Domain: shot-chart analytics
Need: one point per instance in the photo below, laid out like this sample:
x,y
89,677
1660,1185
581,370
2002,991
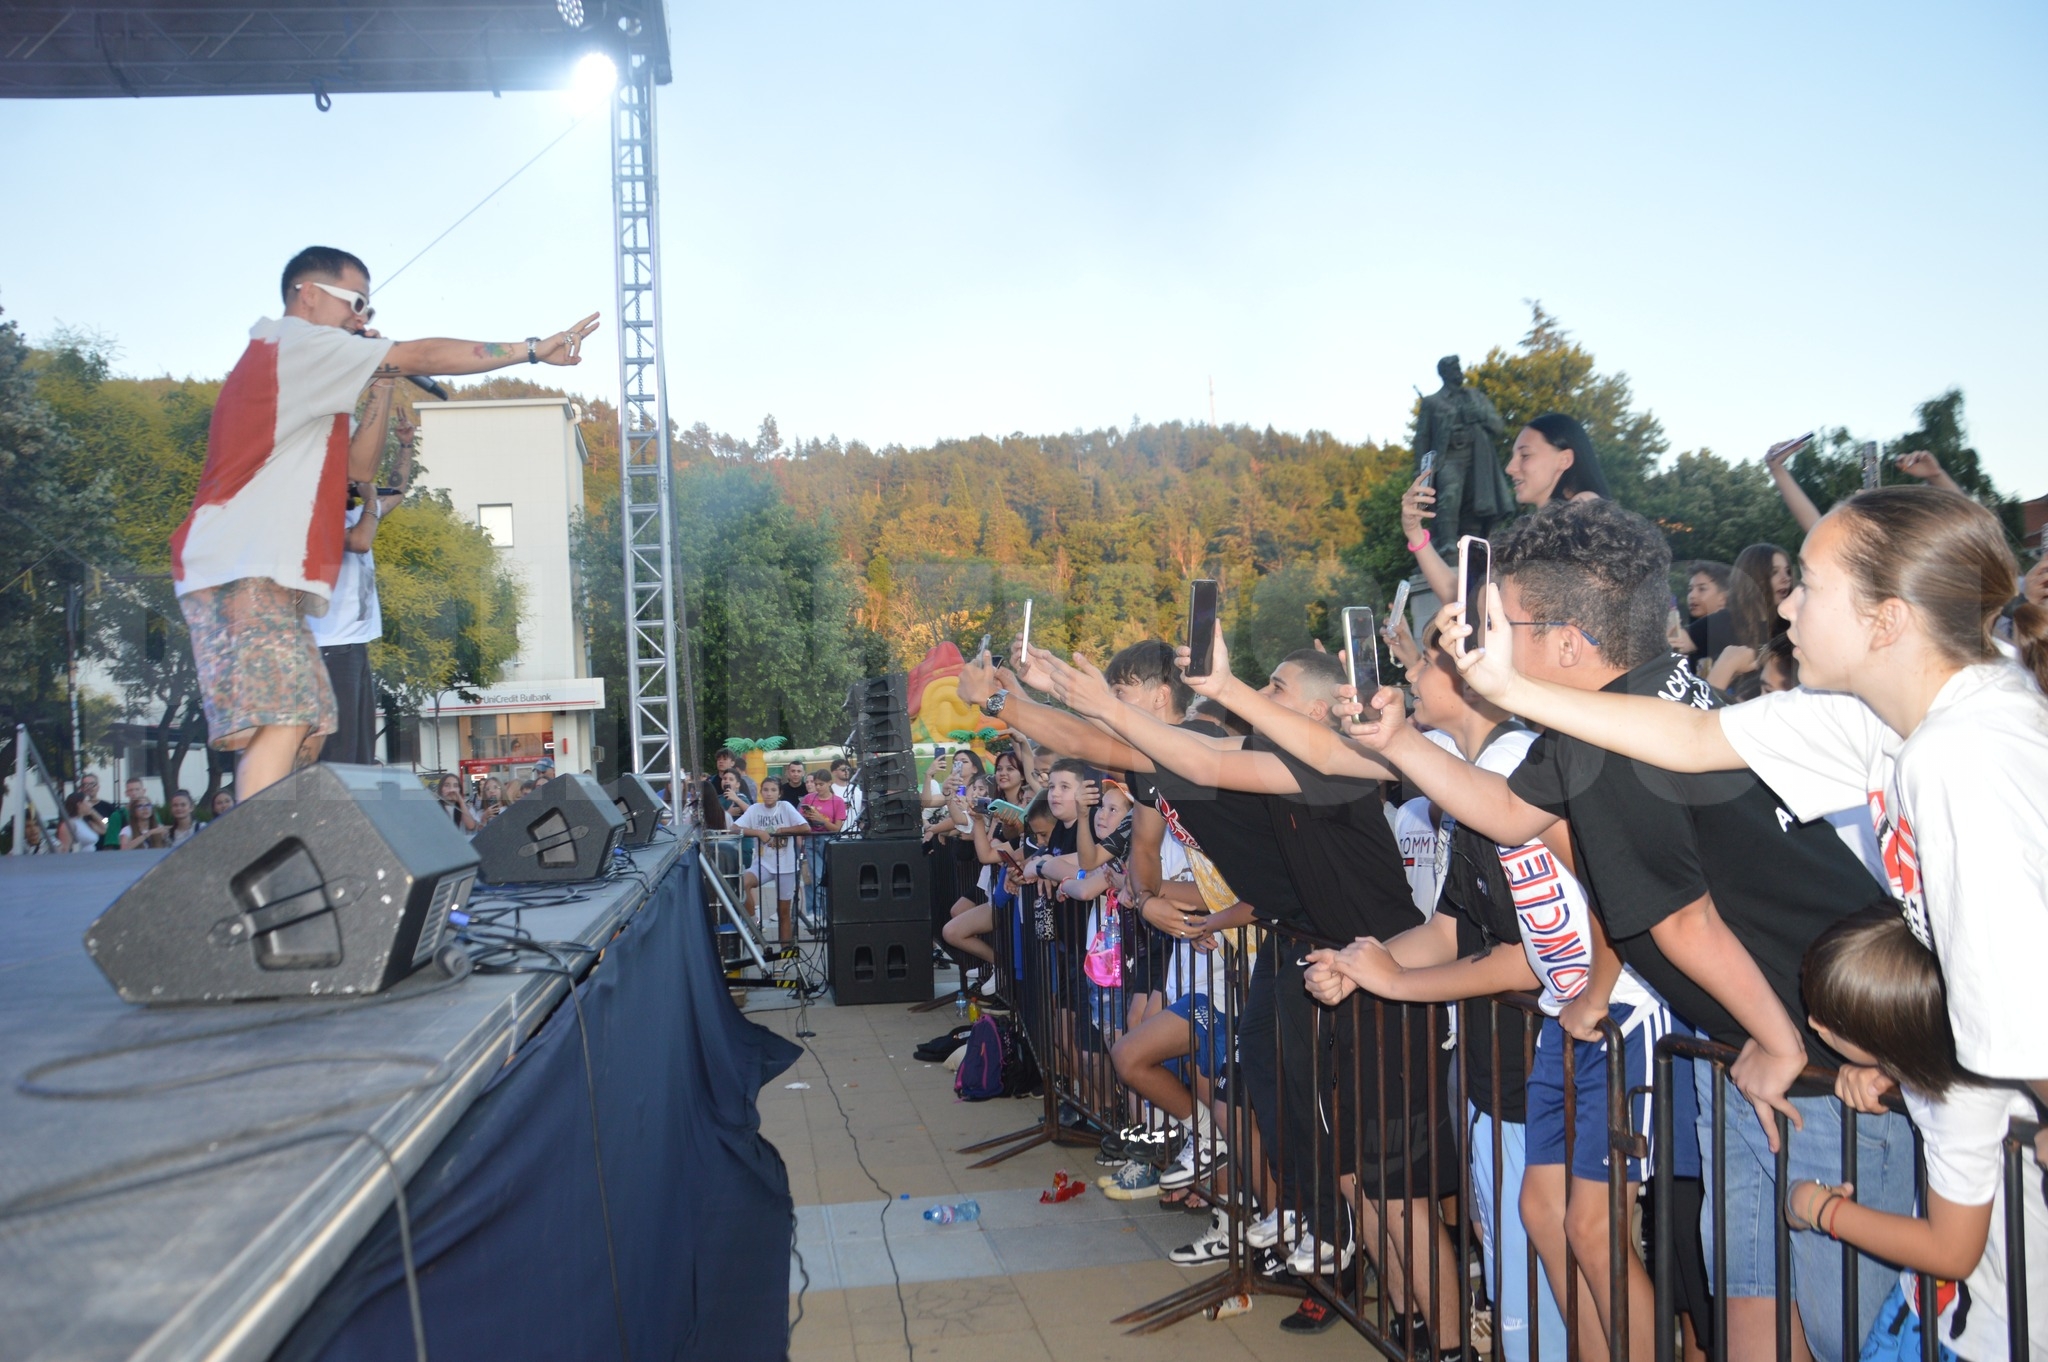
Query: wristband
x,y
1419,545
532,349
1839,1199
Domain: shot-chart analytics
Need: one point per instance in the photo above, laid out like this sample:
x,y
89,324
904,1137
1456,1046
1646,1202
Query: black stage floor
x,y
200,1221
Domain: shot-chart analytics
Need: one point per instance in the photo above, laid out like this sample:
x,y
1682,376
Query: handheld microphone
x,y
428,384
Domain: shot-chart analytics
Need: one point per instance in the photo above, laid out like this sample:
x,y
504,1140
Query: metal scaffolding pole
x,y
664,715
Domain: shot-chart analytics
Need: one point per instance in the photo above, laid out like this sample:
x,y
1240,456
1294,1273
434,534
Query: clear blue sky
x,y
900,223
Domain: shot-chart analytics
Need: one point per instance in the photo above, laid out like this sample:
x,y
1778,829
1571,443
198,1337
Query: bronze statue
x,y
1472,490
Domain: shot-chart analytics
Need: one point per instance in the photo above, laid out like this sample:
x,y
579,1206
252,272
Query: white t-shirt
x,y
1551,908
855,802
1962,1137
774,859
353,615
1961,812
275,486
1416,836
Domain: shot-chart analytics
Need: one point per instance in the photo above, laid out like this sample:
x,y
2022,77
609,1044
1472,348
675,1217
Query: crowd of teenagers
x,y
783,821
1808,827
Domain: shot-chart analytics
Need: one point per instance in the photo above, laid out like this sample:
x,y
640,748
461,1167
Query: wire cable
x,y
480,203
888,1199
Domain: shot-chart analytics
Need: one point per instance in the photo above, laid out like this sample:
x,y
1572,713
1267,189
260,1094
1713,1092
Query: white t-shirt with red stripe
x,y
274,493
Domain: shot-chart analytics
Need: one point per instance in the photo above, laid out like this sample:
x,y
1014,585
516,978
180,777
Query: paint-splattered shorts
x,y
258,664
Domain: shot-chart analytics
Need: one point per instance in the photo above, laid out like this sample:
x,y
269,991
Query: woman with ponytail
x,y
1909,708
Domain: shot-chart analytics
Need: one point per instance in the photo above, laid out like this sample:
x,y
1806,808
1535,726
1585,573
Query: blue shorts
x,y
1212,1036
1590,1148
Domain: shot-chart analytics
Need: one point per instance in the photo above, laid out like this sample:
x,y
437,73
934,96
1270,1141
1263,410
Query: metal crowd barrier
x,y
1071,1025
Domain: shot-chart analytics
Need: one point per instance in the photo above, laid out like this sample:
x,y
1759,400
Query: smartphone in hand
x,y
1024,639
1201,627
1867,455
1361,654
1475,572
1394,611
1428,464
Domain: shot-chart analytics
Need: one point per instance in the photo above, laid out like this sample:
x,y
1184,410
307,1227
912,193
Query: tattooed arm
x,y
478,357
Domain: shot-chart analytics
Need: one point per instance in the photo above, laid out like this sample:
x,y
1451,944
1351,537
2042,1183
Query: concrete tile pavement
x,y
1028,1282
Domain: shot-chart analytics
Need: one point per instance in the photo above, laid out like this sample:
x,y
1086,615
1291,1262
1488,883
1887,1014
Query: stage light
x,y
592,82
571,12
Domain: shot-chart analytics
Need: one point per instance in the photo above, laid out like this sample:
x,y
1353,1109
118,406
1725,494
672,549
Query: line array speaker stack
x,y
881,922
878,714
335,881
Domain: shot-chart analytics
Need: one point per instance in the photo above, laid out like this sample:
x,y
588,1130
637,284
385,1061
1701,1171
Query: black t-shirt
x,y
1234,830
1340,852
1712,633
1068,917
1649,842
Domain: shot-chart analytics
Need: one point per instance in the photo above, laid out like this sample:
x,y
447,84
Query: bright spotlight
x,y
571,12
592,82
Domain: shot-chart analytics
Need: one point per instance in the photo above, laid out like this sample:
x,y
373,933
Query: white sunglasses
x,y
357,303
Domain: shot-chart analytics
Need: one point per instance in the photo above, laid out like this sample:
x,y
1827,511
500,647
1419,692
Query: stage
x,y
247,1215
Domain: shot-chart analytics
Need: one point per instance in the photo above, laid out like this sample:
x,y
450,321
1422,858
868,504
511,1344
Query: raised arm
x,y
1205,761
1928,469
366,447
1479,799
1316,744
1655,731
1417,507
1778,460
1067,734
442,356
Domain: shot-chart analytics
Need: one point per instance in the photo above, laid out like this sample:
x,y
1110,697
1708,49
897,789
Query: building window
x,y
496,521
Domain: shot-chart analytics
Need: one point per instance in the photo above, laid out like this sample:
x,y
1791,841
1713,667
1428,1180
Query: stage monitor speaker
x,y
878,881
639,804
881,962
564,830
335,881
887,773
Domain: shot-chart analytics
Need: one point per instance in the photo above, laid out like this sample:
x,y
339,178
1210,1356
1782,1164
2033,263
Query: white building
x,y
515,467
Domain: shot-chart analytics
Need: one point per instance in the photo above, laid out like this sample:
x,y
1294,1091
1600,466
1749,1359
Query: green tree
x,y
451,609
56,513
1549,371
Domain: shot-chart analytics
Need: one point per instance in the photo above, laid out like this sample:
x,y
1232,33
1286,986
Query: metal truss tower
x,y
661,694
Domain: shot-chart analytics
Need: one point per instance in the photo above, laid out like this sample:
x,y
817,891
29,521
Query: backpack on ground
x,y
995,1063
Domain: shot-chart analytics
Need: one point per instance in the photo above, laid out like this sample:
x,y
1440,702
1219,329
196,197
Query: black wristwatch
x,y
533,350
994,704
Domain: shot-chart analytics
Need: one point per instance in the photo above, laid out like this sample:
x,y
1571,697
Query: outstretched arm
x,y
1067,734
1479,799
1311,742
1657,732
1205,761
441,356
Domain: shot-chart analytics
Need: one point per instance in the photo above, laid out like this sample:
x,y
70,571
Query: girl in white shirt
x,y
1908,708
771,821
1876,996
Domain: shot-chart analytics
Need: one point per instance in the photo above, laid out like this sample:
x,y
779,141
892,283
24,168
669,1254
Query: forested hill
x,y
810,560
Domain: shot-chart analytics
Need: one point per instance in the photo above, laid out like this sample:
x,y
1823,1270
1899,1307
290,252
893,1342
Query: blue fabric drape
x,y
507,1229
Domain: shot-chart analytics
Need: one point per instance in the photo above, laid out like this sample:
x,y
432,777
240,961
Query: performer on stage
x,y
264,541
354,618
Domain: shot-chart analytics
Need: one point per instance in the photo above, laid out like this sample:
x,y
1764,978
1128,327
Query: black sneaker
x,y
1271,1264
1310,1317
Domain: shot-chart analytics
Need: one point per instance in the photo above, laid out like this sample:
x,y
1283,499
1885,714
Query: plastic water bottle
x,y
960,1006
943,1214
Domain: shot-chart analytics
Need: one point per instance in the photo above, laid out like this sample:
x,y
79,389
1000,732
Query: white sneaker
x,y
1212,1247
1198,1160
1312,1257
1266,1231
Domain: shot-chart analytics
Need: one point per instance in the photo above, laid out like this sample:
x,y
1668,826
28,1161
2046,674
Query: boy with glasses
x,y
264,541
